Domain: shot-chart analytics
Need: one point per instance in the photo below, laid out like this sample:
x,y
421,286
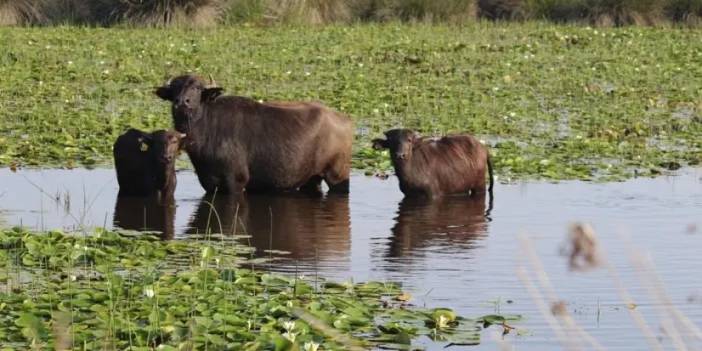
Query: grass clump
x,y
451,11
193,13
310,11
19,12
110,291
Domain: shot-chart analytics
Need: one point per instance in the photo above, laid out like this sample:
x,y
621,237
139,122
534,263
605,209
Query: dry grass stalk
x,y
583,251
567,342
651,280
574,331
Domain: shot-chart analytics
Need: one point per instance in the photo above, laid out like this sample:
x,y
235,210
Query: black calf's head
x,y
399,142
163,146
187,93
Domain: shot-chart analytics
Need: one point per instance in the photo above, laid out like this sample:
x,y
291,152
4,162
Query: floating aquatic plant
x,y
109,290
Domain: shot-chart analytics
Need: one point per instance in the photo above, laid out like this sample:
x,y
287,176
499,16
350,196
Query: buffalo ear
x,y
379,144
164,93
210,94
414,136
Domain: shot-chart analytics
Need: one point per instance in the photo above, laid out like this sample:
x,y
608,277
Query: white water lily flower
x,y
443,322
289,325
149,291
290,336
310,346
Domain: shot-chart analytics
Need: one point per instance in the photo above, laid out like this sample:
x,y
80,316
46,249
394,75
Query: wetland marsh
x,y
577,119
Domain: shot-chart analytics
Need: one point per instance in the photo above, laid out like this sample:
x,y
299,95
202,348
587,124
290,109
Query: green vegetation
x,y
110,291
556,102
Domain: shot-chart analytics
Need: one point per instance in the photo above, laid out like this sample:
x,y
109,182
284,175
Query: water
x,y
446,253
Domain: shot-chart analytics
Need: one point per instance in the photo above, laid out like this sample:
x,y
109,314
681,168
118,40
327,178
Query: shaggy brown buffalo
x,y
237,143
437,166
145,162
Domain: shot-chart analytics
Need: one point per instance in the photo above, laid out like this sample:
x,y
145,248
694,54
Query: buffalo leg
x,y
337,176
209,183
341,187
313,185
237,183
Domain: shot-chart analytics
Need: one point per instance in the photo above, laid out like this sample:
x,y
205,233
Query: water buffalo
x,y
145,162
237,143
437,166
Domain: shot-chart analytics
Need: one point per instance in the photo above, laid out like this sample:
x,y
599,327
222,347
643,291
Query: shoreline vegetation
x,y
203,13
551,101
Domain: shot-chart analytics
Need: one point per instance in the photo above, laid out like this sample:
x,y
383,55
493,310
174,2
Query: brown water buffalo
x,y
236,143
435,167
145,162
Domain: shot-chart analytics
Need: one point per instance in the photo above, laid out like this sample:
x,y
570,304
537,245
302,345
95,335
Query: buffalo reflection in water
x,y
146,214
308,227
449,224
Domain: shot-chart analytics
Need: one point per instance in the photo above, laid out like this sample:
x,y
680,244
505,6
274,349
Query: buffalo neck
x,y
196,132
403,170
165,178
217,121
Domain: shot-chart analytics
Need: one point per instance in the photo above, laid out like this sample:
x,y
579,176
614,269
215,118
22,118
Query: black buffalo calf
x,y
145,162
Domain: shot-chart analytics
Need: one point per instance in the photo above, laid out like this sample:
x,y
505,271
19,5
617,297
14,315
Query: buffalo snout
x,y
166,159
183,103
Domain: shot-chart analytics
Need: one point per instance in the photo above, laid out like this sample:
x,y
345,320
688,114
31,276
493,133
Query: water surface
x,y
446,253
